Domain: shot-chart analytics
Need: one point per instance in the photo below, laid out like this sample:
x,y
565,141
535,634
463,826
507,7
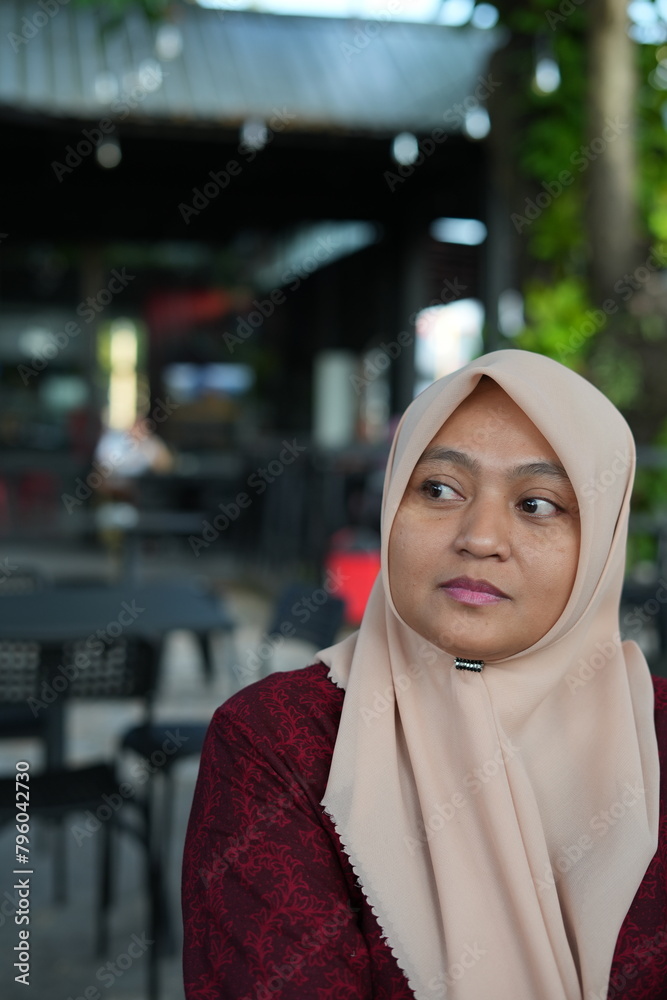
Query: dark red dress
x,y
271,906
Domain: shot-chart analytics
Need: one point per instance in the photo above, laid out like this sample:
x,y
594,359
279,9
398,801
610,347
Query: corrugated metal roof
x,y
375,76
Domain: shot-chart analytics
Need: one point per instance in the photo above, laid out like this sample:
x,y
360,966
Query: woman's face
x,y
484,547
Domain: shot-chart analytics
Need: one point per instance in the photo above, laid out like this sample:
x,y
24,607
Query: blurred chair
x,y
317,624
18,666
42,677
314,619
353,560
160,746
643,618
308,614
5,505
21,581
22,673
38,494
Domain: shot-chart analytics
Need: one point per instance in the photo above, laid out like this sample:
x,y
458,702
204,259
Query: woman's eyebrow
x,y
460,458
553,469
438,454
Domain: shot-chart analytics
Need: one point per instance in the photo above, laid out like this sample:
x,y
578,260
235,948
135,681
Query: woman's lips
x,y
467,591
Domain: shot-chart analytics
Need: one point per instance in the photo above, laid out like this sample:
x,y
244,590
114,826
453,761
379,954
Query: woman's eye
x,y
438,491
539,507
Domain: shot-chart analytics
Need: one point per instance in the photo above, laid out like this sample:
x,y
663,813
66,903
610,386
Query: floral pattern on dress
x,y
272,907
639,968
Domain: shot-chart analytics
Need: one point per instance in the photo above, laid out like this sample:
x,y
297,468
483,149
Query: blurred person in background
x,y
133,452
122,457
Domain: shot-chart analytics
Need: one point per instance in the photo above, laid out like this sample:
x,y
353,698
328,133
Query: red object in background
x,y
38,493
182,309
5,507
354,559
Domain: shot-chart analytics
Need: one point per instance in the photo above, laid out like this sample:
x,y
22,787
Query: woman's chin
x,y
475,651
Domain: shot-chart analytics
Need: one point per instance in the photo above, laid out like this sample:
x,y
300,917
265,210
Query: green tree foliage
x,y
554,157
620,344
116,9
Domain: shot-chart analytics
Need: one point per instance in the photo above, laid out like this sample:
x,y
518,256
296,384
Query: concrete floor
x,y
63,963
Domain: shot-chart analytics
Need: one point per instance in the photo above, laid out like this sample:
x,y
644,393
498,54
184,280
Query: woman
x,y
462,799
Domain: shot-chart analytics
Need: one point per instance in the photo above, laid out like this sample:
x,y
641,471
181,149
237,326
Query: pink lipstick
x,y
474,592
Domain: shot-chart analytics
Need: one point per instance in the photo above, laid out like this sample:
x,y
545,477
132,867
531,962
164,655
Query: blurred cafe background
x,y
236,239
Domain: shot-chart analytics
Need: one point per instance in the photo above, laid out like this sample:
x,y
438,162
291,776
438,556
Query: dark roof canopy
x,y
208,68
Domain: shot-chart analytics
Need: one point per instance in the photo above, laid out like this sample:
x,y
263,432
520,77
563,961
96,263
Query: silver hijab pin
x,y
462,664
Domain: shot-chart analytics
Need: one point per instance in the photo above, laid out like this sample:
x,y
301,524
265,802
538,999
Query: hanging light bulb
x,y
109,154
547,72
254,134
405,149
477,123
168,42
547,76
485,16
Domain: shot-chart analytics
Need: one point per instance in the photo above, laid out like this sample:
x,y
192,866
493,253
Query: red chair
x,y
354,560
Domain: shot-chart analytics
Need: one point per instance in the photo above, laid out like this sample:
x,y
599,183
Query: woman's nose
x,y
484,530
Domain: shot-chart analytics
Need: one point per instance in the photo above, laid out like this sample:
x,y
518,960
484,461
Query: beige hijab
x,y
501,822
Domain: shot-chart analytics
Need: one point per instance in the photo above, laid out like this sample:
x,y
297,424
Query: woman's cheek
x,y
399,540
543,540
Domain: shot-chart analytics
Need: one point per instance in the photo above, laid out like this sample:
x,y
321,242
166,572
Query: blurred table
x,y
149,610
98,611
134,526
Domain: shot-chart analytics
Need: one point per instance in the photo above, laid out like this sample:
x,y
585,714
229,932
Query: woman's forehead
x,y
488,419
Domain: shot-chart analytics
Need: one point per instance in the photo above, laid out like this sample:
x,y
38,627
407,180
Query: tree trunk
x,y
611,147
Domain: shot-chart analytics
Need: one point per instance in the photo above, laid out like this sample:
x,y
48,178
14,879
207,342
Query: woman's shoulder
x,y
660,710
660,716
307,688
660,688
283,711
